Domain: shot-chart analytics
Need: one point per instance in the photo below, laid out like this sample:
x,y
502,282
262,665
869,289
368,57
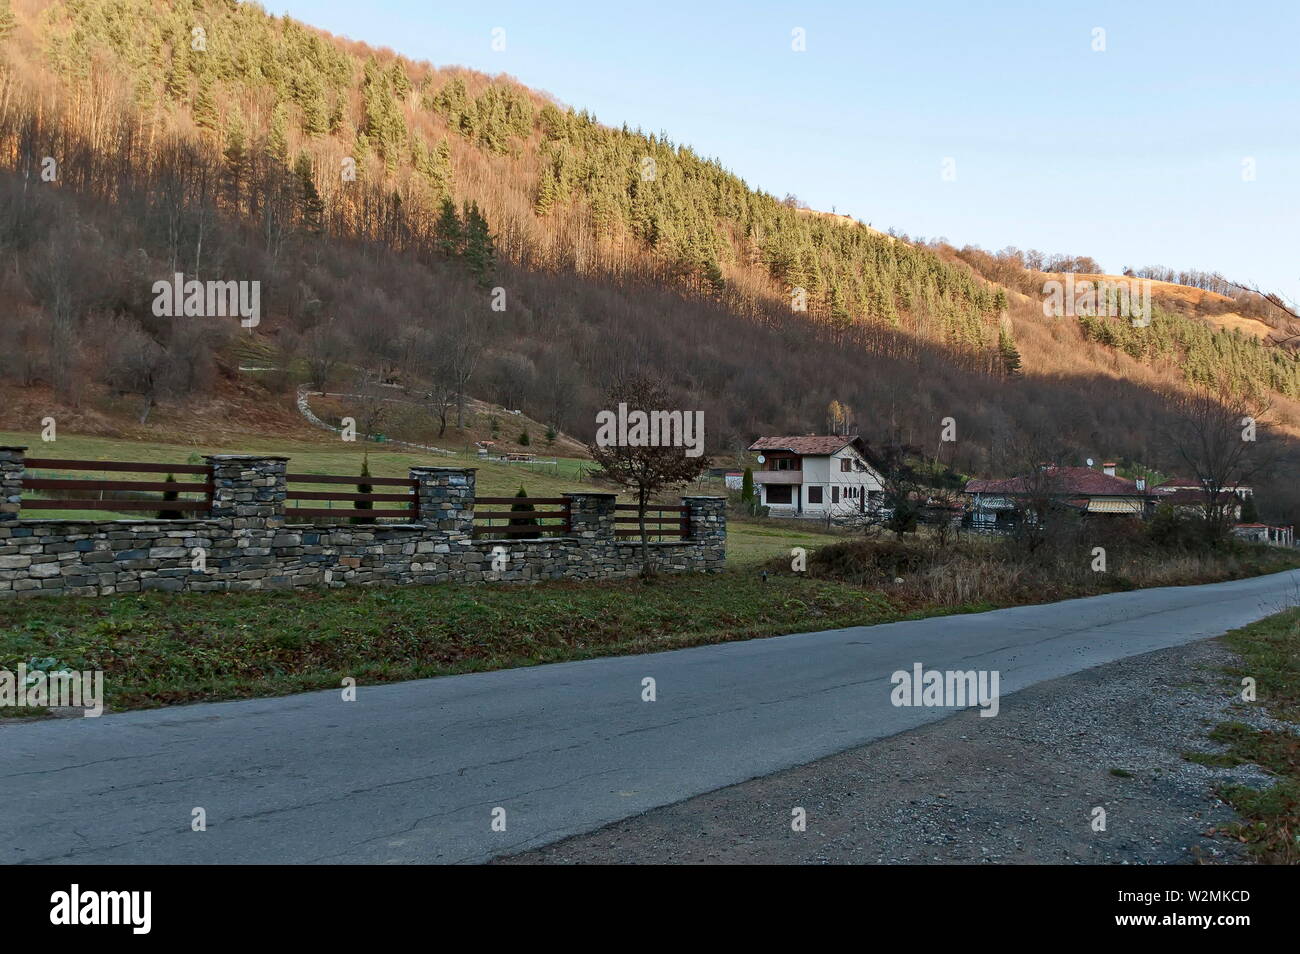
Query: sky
x,y
1139,133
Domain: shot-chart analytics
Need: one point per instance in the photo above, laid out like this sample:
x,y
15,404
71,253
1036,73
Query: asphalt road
x,y
412,772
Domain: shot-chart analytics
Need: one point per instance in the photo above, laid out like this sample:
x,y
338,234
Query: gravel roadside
x,y
1020,788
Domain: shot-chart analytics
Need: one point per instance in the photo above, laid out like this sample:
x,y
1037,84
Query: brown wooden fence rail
x,y
68,493
348,498
544,523
659,522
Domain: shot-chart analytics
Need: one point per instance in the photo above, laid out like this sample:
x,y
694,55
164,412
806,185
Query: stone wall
x,y
246,545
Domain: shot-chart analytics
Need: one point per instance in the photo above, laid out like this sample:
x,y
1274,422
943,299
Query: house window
x,y
846,465
835,495
779,495
814,495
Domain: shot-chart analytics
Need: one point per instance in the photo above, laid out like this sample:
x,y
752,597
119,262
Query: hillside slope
x,y
387,206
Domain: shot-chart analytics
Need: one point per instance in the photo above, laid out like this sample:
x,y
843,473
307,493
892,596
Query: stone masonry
x,y
245,543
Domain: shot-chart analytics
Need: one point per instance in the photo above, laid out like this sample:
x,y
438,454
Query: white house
x,y
815,476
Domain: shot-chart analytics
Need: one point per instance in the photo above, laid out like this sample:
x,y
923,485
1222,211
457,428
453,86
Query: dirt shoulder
x,y
1017,788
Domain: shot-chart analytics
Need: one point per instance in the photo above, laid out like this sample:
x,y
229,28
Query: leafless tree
x,y
372,402
324,348
1221,440
644,469
462,354
133,363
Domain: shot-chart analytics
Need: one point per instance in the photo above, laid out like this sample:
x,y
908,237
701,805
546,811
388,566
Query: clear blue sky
x,y
1133,155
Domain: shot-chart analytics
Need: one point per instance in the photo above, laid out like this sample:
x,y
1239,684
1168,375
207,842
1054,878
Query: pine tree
x,y
337,116
178,70
524,528
315,121
364,488
205,104
1008,352
747,486
168,496
236,156
8,22
448,231
480,252
398,80
442,168
361,151
313,209
545,195
277,139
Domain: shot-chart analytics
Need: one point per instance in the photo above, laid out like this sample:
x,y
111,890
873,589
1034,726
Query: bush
x,y
1173,529
170,495
364,488
868,561
517,522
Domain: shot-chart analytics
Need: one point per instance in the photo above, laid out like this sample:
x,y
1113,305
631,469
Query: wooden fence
x,y
524,524
79,493
660,522
348,499
494,517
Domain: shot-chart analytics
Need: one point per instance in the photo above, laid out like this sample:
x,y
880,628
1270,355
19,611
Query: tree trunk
x,y
646,568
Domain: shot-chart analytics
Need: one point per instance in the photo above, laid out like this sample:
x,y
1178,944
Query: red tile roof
x,y
1076,481
811,444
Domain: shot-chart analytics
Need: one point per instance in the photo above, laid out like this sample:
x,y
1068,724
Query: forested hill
x,y
380,202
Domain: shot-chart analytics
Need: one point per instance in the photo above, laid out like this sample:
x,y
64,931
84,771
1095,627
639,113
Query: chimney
x,y
1142,484
1108,468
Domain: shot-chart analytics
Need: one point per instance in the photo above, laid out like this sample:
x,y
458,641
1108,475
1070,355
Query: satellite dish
x,y
1089,461
762,459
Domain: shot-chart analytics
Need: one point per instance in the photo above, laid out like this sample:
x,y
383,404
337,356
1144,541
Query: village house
x,y
815,476
1188,494
997,504
1278,536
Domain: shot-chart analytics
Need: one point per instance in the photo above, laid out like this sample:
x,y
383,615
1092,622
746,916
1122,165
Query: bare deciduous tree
x,y
323,348
644,469
1220,440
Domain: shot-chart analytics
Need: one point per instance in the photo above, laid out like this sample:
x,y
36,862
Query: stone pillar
x,y
11,483
591,516
445,499
707,519
247,489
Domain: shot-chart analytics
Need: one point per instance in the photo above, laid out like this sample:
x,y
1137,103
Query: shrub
x,y
165,514
527,522
364,488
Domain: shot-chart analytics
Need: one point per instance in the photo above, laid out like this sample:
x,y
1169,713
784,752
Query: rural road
x,y
412,772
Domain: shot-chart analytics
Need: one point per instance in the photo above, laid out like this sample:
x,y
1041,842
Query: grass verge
x,y
1270,653
160,649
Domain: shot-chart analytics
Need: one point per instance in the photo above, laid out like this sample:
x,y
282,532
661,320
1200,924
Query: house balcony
x,y
778,477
